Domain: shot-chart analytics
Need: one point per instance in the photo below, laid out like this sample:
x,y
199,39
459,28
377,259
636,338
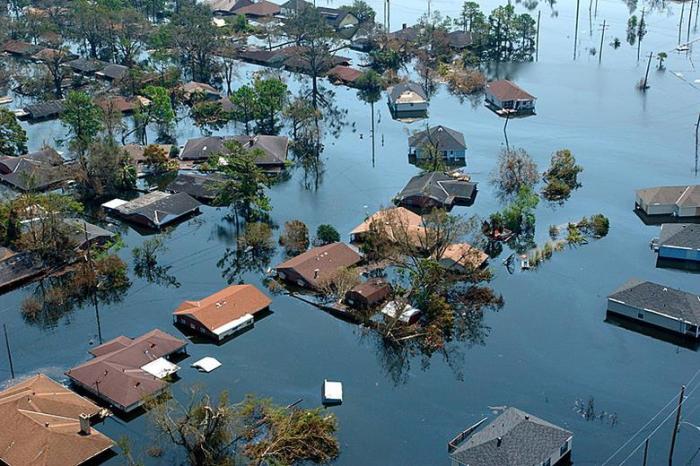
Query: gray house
x,y
436,190
679,241
407,99
515,438
507,97
448,142
659,306
679,201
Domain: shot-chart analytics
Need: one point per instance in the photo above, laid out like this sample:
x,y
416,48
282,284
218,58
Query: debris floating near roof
x,y
206,364
332,393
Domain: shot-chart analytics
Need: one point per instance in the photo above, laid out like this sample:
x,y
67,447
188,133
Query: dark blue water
x,y
548,347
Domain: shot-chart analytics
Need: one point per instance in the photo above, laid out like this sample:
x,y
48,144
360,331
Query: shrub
x,y
600,225
295,237
326,234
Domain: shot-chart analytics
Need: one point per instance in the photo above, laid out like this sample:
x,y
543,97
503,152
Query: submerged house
x,y
45,423
460,40
195,90
392,222
436,190
154,210
18,267
113,72
507,97
344,75
309,269
199,186
514,438
272,159
368,294
19,48
678,201
38,171
224,313
659,306
41,111
85,66
125,371
448,142
260,10
407,99
679,242
463,257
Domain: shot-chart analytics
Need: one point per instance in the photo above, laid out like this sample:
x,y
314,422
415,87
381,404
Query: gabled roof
x,y
136,151
662,194
261,8
159,208
406,33
407,91
466,255
227,5
690,198
202,148
86,65
188,89
505,90
660,299
115,373
41,425
399,217
321,262
680,235
439,187
203,187
18,47
225,306
345,74
515,438
441,136
48,109
334,16
113,71
39,170
274,148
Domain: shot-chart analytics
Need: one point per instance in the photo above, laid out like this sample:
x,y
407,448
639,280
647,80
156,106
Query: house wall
x,y
291,276
449,155
668,252
195,326
348,21
649,317
656,209
692,211
409,107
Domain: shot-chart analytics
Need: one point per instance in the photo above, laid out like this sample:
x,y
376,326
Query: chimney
x,y
498,441
316,271
404,26
84,424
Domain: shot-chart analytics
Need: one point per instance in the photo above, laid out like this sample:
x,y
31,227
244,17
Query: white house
x,y
448,142
506,95
408,99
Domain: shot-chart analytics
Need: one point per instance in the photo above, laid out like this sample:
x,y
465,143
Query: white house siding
x,y
667,252
411,107
655,208
650,317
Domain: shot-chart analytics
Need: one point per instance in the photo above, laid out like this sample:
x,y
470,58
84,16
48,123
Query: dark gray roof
x,y
444,137
525,440
159,208
333,16
49,109
460,39
680,235
406,33
18,267
114,72
199,186
38,171
274,148
86,65
407,86
661,299
78,229
439,187
202,148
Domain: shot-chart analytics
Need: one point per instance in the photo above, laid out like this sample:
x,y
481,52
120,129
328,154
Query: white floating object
x,y
206,364
332,392
160,368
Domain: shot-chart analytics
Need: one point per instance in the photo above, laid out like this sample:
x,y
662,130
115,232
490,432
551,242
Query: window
x,y
564,448
640,315
547,462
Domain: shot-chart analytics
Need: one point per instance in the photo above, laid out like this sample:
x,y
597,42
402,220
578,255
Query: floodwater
x,y
544,352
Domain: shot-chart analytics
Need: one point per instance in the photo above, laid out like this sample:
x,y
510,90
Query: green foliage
x,y
106,170
295,237
83,119
270,97
519,215
370,86
13,138
326,234
362,11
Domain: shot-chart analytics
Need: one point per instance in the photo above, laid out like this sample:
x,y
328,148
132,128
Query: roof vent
x,y
499,440
84,424
665,289
527,417
316,271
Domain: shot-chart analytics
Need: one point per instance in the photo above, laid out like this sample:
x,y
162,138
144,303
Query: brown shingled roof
x,y
506,90
225,306
41,425
322,262
259,9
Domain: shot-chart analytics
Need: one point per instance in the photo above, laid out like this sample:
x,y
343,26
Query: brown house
x,y
224,313
309,269
368,294
46,424
125,371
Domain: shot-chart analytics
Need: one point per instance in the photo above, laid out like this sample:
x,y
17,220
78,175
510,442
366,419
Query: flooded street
x,y
547,349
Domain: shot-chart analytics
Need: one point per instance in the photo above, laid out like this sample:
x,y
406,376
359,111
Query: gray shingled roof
x,y
661,299
203,187
525,440
114,71
438,186
160,208
680,235
445,138
407,86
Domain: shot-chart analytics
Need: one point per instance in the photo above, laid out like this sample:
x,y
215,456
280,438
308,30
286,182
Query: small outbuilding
x,y
679,241
514,438
394,222
507,97
332,393
368,294
224,313
449,143
659,306
407,314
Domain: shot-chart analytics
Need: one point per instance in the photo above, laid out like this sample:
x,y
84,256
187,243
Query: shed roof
x,y
442,137
48,109
159,208
321,262
680,235
372,289
660,299
115,373
514,438
407,92
41,425
225,306
505,90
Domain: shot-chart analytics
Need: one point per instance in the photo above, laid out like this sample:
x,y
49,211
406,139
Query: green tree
x,y
562,176
326,234
13,138
295,237
159,112
243,188
244,101
469,16
362,11
83,119
106,171
270,97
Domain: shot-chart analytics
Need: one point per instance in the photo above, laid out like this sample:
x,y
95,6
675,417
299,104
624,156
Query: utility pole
x,y
388,16
91,267
645,85
690,17
680,24
537,36
602,38
675,426
9,353
596,9
578,3
697,127
646,452
428,9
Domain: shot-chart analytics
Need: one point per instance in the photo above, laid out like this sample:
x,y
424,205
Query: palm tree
x,y
370,86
